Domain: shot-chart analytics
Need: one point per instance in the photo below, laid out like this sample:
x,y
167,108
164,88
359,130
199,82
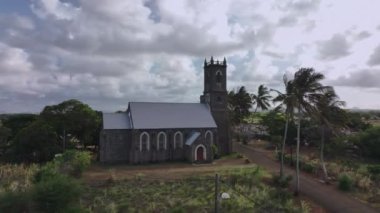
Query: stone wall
x,y
114,146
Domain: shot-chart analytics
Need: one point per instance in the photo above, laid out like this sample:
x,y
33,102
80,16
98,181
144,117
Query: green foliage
x,y
57,193
275,122
5,133
75,118
282,182
71,162
35,143
262,98
15,202
345,182
17,122
369,142
239,103
74,162
374,169
355,121
215,151
195,194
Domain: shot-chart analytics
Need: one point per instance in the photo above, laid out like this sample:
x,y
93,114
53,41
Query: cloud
x,y
363,35
334,48
375,57
367,78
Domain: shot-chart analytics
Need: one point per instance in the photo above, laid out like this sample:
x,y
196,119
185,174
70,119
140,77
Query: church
x,y
157,132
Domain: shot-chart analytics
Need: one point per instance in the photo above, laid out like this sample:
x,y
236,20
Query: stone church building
x,y
156,132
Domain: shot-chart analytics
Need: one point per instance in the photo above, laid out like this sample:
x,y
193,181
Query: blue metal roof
x,y
146,115
192,138
116,121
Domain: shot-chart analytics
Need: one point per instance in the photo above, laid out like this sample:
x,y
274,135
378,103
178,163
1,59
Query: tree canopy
x,y
75,118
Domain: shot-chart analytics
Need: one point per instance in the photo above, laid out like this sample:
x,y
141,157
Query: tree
x,y
261,100
239,103
306,86
329,114
17,122
74,118
288,101
35,143
5,133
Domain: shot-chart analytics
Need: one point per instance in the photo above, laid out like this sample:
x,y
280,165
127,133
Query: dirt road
x,y
327,196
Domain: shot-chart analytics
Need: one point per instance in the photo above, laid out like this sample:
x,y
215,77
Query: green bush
x,y
374,169
215,151
345,182
307,167
57,194
15,202
282,182
73,162
47,171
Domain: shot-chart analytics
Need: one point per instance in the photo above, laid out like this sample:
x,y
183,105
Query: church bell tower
x,y
215,95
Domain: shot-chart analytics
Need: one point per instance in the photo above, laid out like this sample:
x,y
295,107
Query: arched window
x,y
218,77
161,141
144,141
178,140
209,137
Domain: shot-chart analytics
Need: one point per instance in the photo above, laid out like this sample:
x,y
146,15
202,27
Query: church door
x,y
200,154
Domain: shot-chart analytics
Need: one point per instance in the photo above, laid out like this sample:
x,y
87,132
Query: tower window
x,y
218,99
218,77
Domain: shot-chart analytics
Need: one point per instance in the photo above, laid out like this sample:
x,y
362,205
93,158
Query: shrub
x,y
282,182
345,182
374,169
215,151
73,162
47,171
308,167
57,193
15,202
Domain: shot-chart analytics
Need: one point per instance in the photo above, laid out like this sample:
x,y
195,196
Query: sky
x,y
108,53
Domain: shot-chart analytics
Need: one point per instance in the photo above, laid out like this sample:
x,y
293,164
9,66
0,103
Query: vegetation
x,y
239,103
195,194
345,182
48,188
262,98
31,138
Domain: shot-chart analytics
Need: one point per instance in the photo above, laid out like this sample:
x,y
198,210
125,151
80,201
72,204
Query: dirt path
x,y
326,196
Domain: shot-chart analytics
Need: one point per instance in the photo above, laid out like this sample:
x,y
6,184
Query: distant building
x,y
155,132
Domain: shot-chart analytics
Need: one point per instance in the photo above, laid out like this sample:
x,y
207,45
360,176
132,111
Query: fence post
x,y
217,193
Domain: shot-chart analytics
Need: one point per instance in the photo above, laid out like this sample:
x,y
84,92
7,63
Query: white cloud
x,y
150,50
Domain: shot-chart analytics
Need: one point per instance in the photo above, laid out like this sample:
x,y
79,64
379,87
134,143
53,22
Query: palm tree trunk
x,y
323,165
283,147
298,152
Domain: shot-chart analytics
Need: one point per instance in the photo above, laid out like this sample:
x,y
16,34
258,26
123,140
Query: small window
x,y
144,141
219,99
178,140
161,141
219,77
209,137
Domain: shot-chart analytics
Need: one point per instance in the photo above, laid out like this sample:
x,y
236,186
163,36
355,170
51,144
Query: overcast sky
x,y
109,52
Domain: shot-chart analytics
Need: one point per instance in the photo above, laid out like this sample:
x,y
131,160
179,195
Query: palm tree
x,y
287,100
328,114
306,86
239,103
261,100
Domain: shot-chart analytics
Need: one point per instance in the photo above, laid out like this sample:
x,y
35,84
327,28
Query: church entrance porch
x,y
200,153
